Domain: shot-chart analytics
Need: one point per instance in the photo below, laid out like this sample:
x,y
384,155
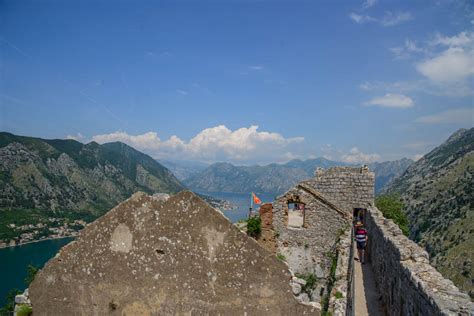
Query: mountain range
x,y
438,194
66,175
272,178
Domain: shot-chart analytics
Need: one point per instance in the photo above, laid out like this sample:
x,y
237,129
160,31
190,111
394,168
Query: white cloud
x,y
462,39
77,137
392,101
360,18
182,92
464,116
356,156
256,67
211,144
453,65
407,51
369,3
388,19
392,19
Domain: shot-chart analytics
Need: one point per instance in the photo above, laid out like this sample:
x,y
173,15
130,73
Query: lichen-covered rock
x,y
150,256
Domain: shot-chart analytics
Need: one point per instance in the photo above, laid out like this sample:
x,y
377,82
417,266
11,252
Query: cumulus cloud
x,y
464,116
211,144
356,156
453,65
388,19
391,100
77,137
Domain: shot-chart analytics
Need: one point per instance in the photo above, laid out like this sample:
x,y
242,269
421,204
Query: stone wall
x,y
164,256
340,298
346,187
306,249
409,284
267,239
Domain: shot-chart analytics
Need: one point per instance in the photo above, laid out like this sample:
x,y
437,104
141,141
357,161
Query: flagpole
x,y
251,204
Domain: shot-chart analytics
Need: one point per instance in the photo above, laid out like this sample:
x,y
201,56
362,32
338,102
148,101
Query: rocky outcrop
x,y
408,284
161,256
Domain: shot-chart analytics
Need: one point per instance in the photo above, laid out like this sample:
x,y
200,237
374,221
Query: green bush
x,y
254,226
7,309
31,271
391,207
24,310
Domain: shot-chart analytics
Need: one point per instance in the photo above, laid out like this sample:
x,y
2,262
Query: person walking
x,y
361,240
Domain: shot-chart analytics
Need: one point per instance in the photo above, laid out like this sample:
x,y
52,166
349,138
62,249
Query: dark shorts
x,y
361,245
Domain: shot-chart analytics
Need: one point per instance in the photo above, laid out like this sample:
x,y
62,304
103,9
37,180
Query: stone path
x,y
365,291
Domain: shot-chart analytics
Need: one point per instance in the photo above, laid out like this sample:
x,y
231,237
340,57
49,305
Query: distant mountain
x,y
438,191
59,175
225,177
184,169
387,171
275,178
310,165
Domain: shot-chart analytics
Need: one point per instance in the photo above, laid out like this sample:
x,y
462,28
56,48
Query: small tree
x,y
31,271
391,207
254,226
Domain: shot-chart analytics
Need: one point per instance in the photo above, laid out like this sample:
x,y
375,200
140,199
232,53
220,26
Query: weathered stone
x,y
318,271
303,297
21,299
149,256
299,281
296,288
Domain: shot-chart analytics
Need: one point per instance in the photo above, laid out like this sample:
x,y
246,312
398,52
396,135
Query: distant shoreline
x,y
35,241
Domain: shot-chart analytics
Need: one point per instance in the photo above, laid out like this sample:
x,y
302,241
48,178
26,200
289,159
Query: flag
x,y
256,200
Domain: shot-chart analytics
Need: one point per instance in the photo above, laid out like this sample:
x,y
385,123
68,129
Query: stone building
x,y
310,218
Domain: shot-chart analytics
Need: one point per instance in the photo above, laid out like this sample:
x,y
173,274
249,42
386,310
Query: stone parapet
x,y
409,284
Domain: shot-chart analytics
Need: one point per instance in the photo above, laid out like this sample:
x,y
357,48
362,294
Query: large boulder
x,y
164,256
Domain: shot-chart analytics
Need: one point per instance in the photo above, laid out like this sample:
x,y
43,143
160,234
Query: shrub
x,y
338,295
31,271
24,310
391,207
254,226
281,257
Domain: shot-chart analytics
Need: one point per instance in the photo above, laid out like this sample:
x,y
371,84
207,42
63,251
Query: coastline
x,y
35,241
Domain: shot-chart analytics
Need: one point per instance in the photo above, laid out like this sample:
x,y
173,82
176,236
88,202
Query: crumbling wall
x,y
307,249
267,238
347,187
409,285
164,256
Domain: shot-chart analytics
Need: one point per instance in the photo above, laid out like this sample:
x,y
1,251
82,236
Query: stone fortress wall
x,y
408,284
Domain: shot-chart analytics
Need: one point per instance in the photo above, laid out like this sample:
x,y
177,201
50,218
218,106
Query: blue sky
x,y
240,81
